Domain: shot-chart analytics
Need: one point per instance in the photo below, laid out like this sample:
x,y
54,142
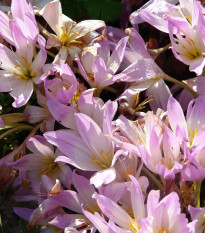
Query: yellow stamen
x,y
103,159
75,32
192,135
24,72
134,225
162,230
25,60
189,19
93,208
49,167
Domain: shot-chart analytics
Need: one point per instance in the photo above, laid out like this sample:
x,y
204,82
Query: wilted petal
x,y
86,26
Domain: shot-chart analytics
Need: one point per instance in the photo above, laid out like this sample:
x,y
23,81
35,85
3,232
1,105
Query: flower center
x,y
103,159
49,167
93,208
24,71
190,50
134,225
162,230
66,36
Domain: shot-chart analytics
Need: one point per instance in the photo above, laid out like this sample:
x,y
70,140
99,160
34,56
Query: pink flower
x,y
68,35
20,70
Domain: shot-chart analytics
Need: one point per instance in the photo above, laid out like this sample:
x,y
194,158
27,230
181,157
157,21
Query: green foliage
x,y
107,10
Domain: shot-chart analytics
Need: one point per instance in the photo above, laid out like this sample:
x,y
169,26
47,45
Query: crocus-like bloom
x,y
144,72
191,129
73,201
23,13
86,103
97,66
91,151
64,87
70,37
42,161
126,222
188,46
154,12
166,162
195,165
163,221
157,221
20,70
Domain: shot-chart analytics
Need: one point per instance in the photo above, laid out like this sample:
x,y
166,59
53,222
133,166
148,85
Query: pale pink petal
x,y
40,59
64,220
117,55
22,92
39,145
92,134
160,93
137,199
5,29
82,70
105,176
103,47
8,59
86,26
100,71
137,44
62,56
20,7
5,85
84,188
113,211
98,221
62,113
52,13
142,70
69,199
73,146
176,115
35,114
23,48
152,201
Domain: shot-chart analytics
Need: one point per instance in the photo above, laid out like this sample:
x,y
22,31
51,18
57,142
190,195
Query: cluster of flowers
x,y
102,166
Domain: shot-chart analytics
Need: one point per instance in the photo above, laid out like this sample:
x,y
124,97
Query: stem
x,y
181,84
25,127
12,115
12,118
153,178
97,92
197,191
156,52
163,180
22,147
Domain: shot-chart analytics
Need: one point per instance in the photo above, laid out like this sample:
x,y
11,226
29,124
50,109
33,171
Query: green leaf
x,y
74,9
107,10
